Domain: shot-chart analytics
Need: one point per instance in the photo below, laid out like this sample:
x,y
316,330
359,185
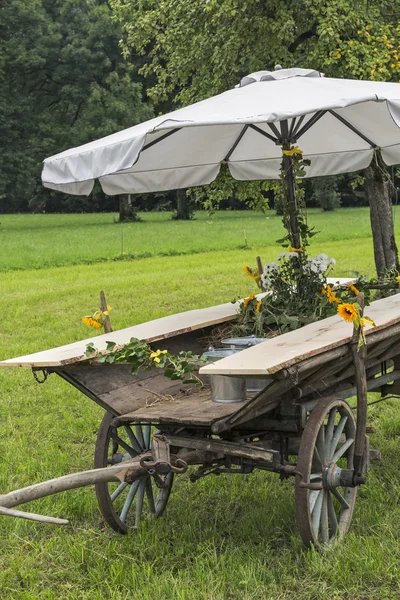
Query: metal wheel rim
x,y
122,505
324,516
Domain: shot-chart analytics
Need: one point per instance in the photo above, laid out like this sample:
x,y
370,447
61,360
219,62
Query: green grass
x,y
42,241
221,539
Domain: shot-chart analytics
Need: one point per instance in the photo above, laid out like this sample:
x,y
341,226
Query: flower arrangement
x,y
293,284
140,355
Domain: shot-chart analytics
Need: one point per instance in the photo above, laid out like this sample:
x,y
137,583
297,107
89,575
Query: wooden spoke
x,y
139,502
146,435
314,495
123,444
119,490
339,453
338,433
332,515
316,517
134,442
139,435
329,432
129,499
150,496
340,498
324,518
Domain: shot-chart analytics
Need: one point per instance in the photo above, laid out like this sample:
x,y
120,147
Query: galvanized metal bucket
x,y
224,389
240,343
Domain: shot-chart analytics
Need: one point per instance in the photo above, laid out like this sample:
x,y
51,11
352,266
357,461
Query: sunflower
x,y
259,303
92,322
331,295
353,289
348,312
247,300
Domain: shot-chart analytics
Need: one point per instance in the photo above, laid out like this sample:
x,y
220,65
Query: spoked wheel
x,y
326,447
123,504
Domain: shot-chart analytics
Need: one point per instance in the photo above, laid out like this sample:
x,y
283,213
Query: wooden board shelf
x,y
159,329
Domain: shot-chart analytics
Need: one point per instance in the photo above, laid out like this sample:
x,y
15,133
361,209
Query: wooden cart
x,y
298,425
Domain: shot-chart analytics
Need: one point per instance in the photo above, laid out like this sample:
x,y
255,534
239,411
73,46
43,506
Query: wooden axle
x,y
129,471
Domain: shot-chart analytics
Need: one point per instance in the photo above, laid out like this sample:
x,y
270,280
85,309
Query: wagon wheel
x,y
325,515
123,503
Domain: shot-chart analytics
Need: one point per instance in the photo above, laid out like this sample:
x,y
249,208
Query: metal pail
x,y
225,389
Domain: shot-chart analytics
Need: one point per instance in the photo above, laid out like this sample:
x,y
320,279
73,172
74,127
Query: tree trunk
x,y
183,209
378,192
127,208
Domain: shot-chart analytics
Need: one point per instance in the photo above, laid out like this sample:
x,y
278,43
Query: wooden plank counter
x,y
159,329
290,348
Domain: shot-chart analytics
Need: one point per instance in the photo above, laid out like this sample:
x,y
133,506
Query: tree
x,y
325,192
195,49
64,83
363,41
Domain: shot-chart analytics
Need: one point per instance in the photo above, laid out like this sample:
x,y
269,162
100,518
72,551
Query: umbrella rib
x,y
275,130
318,115
160,139
292,126
264,133
238,140
292,134
354,129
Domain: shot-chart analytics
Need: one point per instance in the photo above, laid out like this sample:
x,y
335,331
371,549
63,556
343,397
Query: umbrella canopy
x,y
338,123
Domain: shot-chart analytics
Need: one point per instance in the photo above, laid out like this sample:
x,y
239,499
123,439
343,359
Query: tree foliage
x,y
64,83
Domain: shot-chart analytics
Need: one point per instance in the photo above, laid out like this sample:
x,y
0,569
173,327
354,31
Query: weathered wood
x,y
103,306
223,447
372,384
306,343
116,390
259,265
152,331
130,468
197,409
10,512
359,358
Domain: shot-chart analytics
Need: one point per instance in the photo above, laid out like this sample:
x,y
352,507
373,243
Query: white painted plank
x,y
158,329
287,349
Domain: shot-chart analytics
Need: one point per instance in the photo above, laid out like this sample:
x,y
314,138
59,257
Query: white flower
x,y
288,255
270,268
332,262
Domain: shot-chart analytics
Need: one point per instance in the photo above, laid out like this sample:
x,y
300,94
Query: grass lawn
x,y
220,539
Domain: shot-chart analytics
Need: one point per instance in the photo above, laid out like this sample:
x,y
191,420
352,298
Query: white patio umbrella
x,y
338,123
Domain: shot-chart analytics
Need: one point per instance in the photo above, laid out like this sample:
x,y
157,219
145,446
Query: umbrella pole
x,y
290,188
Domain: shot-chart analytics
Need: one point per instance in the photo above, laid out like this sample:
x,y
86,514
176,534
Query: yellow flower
x,y
92,322
259,303
348,312
331,295
97,316
250,273
247,300
398,278
353,289
155,355
366,321
301,249
292,151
